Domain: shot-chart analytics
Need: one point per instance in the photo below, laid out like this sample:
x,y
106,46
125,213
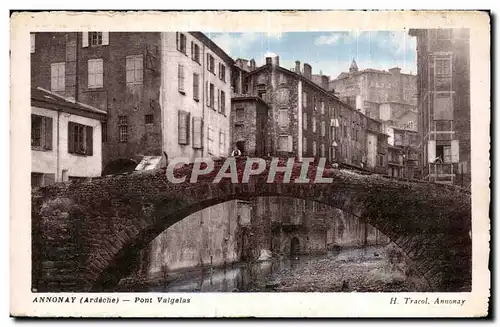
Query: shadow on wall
x,y
119,166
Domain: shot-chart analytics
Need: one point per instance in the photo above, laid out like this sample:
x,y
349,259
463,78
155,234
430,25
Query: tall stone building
x,y
304,120
162,93
388,96
443,62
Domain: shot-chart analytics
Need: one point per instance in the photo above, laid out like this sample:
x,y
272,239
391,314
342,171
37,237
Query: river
x,y
368,269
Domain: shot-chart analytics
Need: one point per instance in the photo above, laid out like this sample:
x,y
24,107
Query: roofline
x,y
364,71
68,107
299,76
213,46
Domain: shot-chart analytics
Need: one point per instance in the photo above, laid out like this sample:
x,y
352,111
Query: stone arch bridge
x,y
86,235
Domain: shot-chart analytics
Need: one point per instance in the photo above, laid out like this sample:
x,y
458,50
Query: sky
x,y
328,52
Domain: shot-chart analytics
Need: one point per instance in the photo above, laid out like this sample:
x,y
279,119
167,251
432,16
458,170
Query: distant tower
x,y
354,66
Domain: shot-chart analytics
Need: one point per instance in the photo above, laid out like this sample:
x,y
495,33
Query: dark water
x,y
327,272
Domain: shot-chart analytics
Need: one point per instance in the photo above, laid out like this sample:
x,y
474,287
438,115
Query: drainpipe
x,y
57,150
204,104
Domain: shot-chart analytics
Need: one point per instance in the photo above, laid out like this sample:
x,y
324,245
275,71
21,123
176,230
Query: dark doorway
x,y
294,246
240,145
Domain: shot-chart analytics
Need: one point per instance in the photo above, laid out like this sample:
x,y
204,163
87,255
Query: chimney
x,y
252,64
269,60
307,71
325,81
297,67
275,60
395,70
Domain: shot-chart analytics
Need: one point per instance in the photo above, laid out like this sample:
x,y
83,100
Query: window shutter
x,y
290,143
177,40
89,139
105,38
48,133
431,151
49,179
197,132
454,151
206,94
183,127
85,39
208,61
217,105
71,140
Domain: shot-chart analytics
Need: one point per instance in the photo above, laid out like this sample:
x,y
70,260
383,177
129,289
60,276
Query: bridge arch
x,y
110,219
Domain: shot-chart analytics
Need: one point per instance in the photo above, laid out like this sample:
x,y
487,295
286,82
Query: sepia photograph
x,y
170,164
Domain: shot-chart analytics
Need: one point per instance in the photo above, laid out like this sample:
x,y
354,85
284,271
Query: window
x,y
444,153
148,119
304,99
183,127
322,150
285,143
222,72
222,104
41,132
442,66
95,73
197,133
180,80
345,131
210,63
36,180
196,86
322,107
195,52
323,128
283,117
122,129
314,148
211,140
282,78
222,142
283,96
410,124
181,42
32,42
104,132
332,153
314,103
57,76
304,121
443,107
304,144
212,96
314,124
240,114
95,38
80,139
134,67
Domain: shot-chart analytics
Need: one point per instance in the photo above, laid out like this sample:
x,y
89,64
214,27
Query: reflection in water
x,y
273,274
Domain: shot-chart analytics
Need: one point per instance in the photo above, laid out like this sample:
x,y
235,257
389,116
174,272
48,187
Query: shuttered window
x,y
431,151
57,76
181,42
304,144
180,76
41,132
183,127
212,97
95,73
322,150
196,87
135,71
285,143
283,119
222,143
211,141
314,148
222,103
80,139
314,124
197,133
304,121
455,151
323,128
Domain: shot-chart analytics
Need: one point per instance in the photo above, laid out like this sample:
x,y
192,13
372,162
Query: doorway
x,y
294,246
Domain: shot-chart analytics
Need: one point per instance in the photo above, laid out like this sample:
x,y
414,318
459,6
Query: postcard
x,y
250,164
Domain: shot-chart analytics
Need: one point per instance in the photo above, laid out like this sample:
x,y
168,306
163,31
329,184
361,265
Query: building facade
x,y
443,62
165,95
304,120
65,139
